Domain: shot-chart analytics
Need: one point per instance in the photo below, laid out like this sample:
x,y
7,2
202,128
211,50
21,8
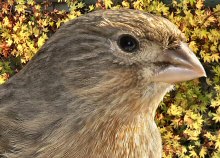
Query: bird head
x,y
153,44
118,56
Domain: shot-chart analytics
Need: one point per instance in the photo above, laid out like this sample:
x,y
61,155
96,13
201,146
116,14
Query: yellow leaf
x,y
193,153
78,13
15,38
175,110
58,23
51,23
203,34
80,5
9,42
217,8
20,48
44,22
211,19
207,58
137,5
215,57
217,143
125,4
91,8
10,2
37,7
36,31
2,78
17,26
6,21
20,1
23,61
108,3
42,40
210,136
203,152
193,46
213,48
20,8
72,16
216,118
199,4
215,103
31,2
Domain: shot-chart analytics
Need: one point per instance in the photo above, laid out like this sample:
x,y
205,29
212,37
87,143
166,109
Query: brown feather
x,y
81,96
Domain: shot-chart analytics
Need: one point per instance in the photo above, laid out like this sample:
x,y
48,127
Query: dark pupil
x,y
128,43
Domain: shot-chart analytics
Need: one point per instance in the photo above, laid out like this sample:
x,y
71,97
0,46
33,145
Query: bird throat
x,y
139,138
122,127
129,129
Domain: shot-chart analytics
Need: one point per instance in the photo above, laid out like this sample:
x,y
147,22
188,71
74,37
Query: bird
x,y
93,89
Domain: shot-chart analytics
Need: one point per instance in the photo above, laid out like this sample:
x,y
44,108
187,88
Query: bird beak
x,y
181,65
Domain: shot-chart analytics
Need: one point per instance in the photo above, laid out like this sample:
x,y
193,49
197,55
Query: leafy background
x,y
189,117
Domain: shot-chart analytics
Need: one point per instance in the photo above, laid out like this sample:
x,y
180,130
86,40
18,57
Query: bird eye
x,y
128,43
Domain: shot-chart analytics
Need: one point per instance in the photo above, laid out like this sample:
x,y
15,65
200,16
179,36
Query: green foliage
x,y
189,117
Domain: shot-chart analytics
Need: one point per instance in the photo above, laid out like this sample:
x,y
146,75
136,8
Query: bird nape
x,y
92,90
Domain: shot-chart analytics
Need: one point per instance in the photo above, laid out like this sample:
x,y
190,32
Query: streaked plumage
x,y
84,95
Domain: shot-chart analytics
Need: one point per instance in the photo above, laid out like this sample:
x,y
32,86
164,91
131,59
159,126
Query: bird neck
x,y
138,138
116,121
123,122
129,129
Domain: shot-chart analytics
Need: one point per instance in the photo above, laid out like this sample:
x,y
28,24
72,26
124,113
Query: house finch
x,y
93,88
